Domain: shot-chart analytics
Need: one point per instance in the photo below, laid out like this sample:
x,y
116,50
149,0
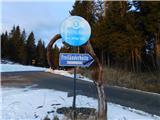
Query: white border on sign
x,y
76,54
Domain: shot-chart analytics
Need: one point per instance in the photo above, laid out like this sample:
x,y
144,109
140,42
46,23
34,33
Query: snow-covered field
x,y
33,104
17,67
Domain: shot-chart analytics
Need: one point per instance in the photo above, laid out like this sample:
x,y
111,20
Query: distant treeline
x,y
18,47
125,34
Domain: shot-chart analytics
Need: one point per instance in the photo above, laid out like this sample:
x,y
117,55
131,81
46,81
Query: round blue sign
x,y
75,31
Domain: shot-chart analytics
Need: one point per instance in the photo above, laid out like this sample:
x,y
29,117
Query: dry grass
x,y
69,116
80,117
80,113
147,81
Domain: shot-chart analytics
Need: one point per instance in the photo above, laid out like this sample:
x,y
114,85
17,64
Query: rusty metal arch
x,y
97,75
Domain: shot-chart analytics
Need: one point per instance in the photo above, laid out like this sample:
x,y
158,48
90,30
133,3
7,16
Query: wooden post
x,y
97,76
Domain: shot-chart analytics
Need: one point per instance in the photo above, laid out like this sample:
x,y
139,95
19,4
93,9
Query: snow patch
x,y
67,74
35,104
18,67
5,61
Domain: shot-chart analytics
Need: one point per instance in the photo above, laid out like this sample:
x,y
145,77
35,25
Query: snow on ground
x,y
5,61
8,66
33,104
67,74
18,67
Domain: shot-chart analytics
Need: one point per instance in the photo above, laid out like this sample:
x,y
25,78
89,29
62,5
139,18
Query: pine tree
x,y
45,56
21,52
150,19
17,48
108,32
85,9
41,56
14,37
31,49
4,45
10,43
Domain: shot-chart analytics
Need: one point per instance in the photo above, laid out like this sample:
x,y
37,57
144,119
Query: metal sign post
x,y
74,90
75,59
75,31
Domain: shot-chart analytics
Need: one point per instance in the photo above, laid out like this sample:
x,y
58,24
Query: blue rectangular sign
x,y
74,59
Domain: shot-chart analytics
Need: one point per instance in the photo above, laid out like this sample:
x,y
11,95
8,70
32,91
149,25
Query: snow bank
x,y
67,74
5,61
8,66
18,67
18,103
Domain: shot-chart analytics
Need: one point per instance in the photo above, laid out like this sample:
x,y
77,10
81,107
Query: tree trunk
x,y
158,55
102,105
133,62
137,60
102,57
157,51
97,76
108,60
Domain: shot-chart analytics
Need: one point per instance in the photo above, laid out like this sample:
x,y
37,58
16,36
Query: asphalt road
x,y
144,101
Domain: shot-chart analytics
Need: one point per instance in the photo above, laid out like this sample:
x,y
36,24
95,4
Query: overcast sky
x,y
41,17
